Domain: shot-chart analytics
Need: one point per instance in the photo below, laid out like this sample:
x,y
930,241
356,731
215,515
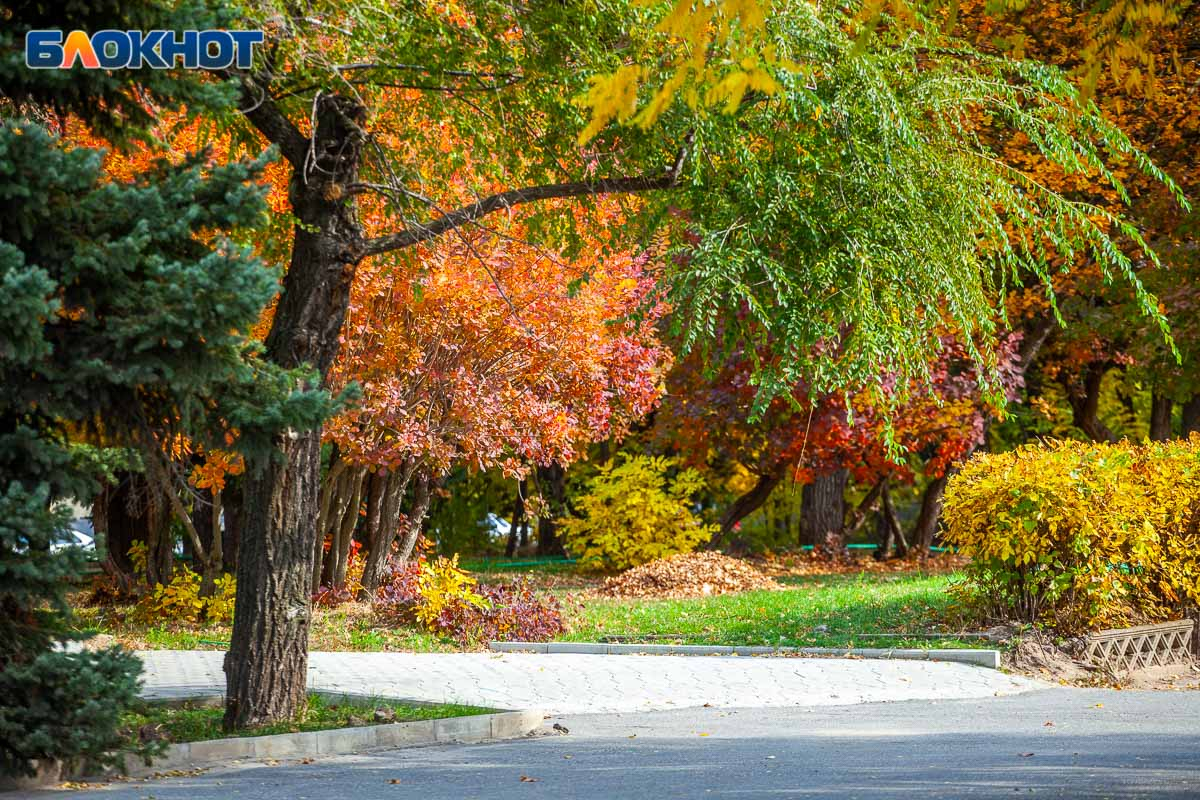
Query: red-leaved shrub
x,y
514,613
511,611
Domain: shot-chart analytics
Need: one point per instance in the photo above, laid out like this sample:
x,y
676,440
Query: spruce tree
x,y
124,312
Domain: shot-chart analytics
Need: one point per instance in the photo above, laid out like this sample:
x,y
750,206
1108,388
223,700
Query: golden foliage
x,y
633,514
1081,535
442,584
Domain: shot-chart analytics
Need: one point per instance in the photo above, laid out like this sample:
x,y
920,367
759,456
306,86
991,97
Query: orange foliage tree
x,y
485,352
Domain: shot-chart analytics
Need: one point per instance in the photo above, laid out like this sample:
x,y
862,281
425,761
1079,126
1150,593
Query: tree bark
x,y
231,512
1085,403
332,505
859,515
1160,417
889,529
206,519
1190,414
130,512
266,666
383,531
416,517
823,510
552,484
931,511
340,556
748,503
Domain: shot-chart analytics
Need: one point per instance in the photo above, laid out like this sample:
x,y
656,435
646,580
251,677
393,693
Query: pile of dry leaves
x,y
815,562
688,575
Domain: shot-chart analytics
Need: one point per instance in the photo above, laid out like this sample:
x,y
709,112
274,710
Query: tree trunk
x,y
121,528
518,517
202,521
1085,403
890,530
1160,417
931,512
823,510
231,512
266,666
339,553
127,512
748,503
552,484
332,506
1191,424
383,532
859,515
157,535
416,517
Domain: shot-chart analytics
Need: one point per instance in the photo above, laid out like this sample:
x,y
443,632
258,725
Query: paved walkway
x,y
581,684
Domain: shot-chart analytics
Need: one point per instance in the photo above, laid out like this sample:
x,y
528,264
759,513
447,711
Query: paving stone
x,y
585,683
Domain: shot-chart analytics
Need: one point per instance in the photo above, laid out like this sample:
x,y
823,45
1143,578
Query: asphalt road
x,y
1056,743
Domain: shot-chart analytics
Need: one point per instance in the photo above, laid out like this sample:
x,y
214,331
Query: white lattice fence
x,y
1128,649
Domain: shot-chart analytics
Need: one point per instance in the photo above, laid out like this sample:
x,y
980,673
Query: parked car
x,y
79,533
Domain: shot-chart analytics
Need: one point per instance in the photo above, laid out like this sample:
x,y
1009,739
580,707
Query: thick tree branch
x,y
258,107
418,233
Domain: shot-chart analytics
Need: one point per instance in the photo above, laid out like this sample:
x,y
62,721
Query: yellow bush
x,y
441,584
1080,535
180,599
633,514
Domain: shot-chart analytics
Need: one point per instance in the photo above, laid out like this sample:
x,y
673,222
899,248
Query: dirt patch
x,y
1037,655
688,575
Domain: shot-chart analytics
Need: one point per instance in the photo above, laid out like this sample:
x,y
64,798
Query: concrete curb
x,y
976,657
344,741
337,741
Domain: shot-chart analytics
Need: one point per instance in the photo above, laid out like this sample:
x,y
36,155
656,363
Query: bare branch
x,y
419,233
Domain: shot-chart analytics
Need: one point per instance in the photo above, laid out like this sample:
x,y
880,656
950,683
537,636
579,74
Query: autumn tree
x,y
1147,88
482,352
839,186
870,436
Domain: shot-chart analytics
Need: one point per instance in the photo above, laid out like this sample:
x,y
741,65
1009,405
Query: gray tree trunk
x,y
266,666
823,510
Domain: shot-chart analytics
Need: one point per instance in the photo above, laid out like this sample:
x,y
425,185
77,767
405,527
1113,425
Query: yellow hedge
x,y
1080,535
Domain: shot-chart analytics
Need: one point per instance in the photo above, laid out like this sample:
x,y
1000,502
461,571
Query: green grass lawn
x,y
190,722
823,611
849,607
